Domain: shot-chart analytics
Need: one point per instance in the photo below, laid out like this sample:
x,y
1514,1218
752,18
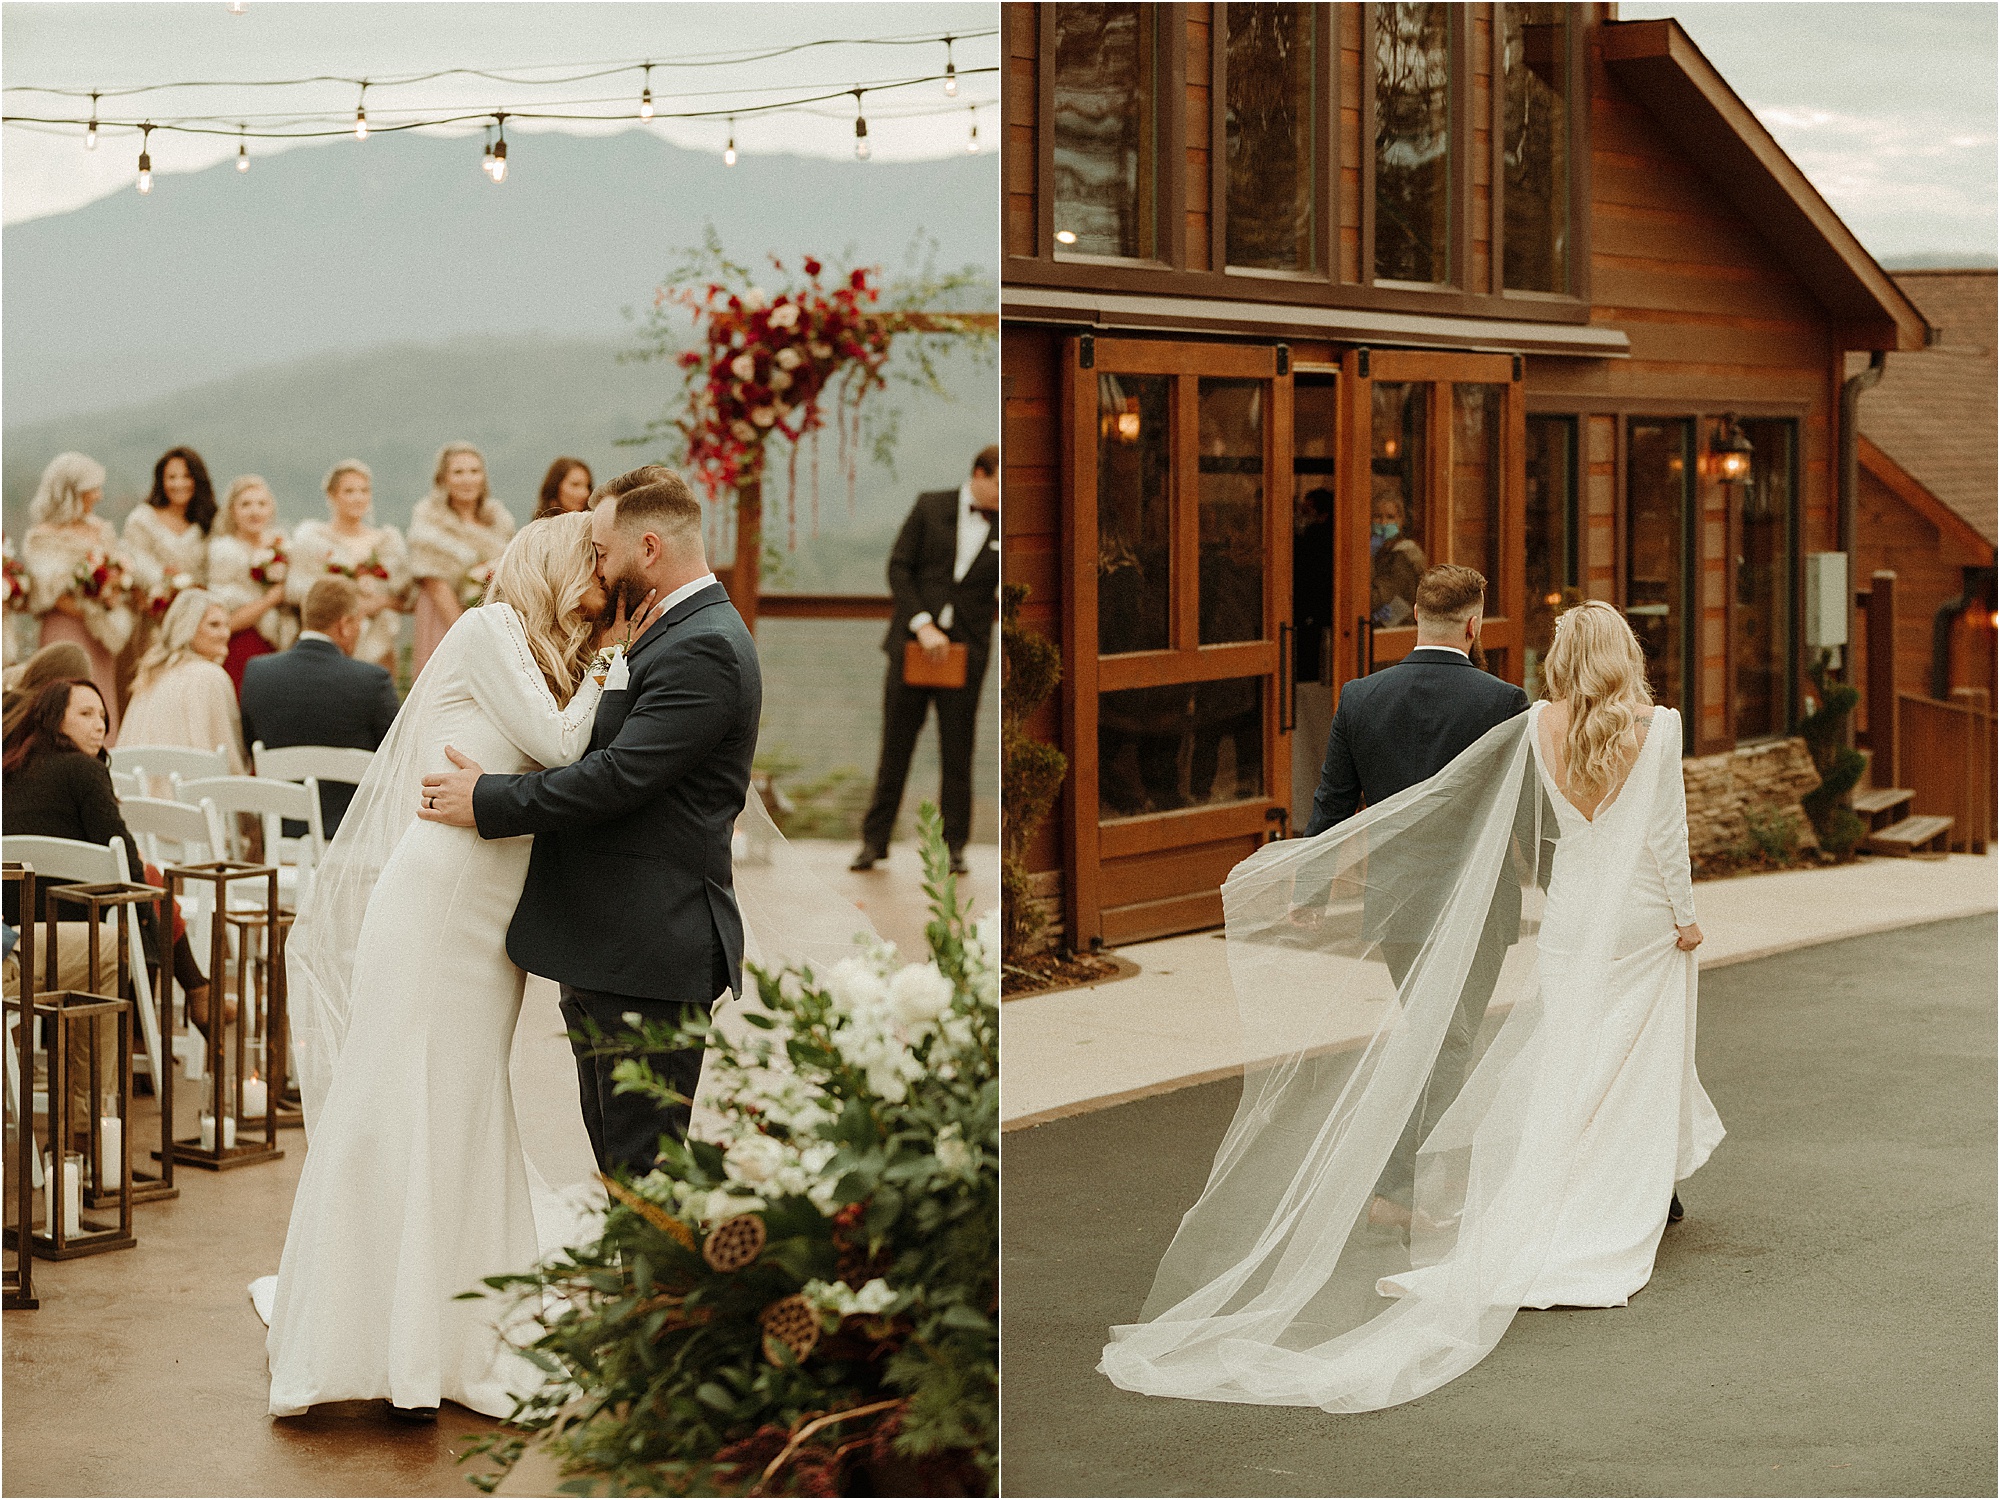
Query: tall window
x,y
1535,148
1106,97
1658,477
1763,569
1552,539
1268,128
1413,142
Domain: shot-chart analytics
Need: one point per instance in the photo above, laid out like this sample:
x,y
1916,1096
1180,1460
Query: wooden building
x,y
1526,283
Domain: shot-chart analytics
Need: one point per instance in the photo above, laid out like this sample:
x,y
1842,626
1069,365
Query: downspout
x,y
1850,490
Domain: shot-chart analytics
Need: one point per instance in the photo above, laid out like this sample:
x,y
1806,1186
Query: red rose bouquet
x,y
272,569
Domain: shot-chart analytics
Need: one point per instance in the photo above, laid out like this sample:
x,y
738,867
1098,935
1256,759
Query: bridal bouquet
x,y
271,569
17,582
472,586
371,568
805,1301
163,597
100,579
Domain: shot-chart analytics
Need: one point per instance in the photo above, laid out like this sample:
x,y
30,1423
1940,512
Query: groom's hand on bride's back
x,y
447,795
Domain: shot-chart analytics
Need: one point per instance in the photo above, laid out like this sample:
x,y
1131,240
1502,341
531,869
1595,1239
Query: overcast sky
x,y
72,44
1888,109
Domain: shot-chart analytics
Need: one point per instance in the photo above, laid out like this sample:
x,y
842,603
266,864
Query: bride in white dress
x,y
1547,1179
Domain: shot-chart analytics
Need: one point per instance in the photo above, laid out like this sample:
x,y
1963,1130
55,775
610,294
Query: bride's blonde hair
x,y
546,570
1596,666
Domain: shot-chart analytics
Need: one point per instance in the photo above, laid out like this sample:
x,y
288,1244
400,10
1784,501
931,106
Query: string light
x,y
972,141
145,160
860,129
236,7
646,95
486,156
90,131
243,154
729,151
361,115
500,149
950,71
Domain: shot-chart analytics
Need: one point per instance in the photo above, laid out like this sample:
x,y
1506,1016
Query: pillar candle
x,y
111,1171
208,1133
255,1098
72,1191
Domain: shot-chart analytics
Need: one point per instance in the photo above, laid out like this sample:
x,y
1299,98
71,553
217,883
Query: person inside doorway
x,y
1312,582
1396,560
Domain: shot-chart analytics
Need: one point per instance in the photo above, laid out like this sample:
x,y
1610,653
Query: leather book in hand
x,y
920,671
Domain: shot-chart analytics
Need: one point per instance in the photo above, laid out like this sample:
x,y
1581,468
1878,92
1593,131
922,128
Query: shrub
x,y
1031,773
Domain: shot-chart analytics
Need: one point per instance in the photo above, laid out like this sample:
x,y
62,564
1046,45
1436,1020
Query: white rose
x,y
743,430
875,1297
756,299
763,416
953,1154
754,1159
744,367
789,358
780,380
784,315
855,988
919,993
819,350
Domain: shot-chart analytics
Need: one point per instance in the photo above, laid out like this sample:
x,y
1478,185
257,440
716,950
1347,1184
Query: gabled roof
x,y
1935,412
1660,66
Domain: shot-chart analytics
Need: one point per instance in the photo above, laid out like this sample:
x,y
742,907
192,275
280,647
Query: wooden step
x,y
1924,834
1880,799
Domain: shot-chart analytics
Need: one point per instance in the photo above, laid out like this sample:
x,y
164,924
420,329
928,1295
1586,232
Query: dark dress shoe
x,y
958,864
414,1414
866,859
1675,1213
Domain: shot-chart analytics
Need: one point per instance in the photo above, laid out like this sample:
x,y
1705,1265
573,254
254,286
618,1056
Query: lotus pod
x,y
792,1323
735,1243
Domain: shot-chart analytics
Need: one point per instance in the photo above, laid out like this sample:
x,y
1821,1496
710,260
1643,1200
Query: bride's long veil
x,y
1369,1225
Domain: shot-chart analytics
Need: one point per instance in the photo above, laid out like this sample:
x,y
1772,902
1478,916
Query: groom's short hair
x,y
1450,593
653,498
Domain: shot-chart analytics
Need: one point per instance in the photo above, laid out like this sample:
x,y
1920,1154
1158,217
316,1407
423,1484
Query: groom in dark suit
x,y
1393,729
630,899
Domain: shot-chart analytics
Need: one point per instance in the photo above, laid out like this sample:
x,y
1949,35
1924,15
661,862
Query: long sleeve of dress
x,y
500,670
1668,835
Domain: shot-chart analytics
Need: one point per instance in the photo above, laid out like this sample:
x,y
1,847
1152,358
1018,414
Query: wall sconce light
x,y
1731,450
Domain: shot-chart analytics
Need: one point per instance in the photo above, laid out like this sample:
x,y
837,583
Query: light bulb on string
x,y
236,7
361,115
950,72
972,141
500,149
90,130
860,129
145,160
486,156
729,151
646,95
242,150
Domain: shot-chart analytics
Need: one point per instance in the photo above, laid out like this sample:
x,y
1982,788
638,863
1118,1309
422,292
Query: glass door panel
x,y
1399,491
1476,415
1134,513
1763,568
1658,479
1232,505
1552,539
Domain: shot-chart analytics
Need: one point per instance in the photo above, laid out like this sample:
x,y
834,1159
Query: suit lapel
x,y
715,593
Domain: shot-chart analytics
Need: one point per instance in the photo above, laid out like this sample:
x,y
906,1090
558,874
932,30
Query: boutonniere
x,y
609,668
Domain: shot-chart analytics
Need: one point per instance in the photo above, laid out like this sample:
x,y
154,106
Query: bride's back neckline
x,y
1550,756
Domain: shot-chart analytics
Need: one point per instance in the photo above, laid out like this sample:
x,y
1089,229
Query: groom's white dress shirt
x,y
973,530
687,591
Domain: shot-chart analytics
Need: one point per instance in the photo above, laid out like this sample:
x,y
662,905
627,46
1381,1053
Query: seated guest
x,y
316,694
23,683
57,784
181,695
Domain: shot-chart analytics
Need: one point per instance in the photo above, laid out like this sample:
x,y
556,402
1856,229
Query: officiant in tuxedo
x,y
944,572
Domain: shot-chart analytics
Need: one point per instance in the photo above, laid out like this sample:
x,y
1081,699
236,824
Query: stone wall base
x,y
1724,790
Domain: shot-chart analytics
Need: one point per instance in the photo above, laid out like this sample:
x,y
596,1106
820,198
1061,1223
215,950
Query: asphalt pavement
x,y
1822,1323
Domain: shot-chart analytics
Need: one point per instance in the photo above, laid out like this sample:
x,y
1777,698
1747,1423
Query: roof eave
x,y
1662,67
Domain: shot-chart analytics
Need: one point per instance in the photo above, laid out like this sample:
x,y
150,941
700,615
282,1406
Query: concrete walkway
x,y
1821,1324
1173,1025
143,1373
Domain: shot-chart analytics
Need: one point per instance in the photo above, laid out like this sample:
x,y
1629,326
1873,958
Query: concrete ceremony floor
x,y
1820,1324
143,1372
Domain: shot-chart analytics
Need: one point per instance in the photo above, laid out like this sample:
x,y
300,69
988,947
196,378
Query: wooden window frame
x,y
1326,148
1169,273
1458,184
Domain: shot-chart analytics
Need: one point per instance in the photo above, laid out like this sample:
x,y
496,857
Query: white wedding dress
x,y
1544,1180
404,1006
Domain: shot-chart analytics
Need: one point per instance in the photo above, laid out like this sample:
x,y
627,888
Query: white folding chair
x,y
322,762
126,784
157,765
178,833
96,864
272,802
